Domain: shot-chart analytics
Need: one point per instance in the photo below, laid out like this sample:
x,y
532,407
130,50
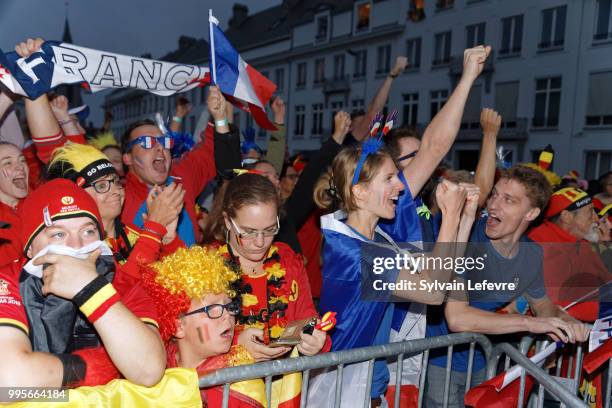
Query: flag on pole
x,y
241,84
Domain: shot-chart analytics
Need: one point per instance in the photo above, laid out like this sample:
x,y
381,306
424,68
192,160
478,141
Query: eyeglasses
x,y
104,186
148,142
215,311
407,156
267,233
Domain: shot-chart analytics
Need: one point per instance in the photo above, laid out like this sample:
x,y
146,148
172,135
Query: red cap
x,y
55,200
569,198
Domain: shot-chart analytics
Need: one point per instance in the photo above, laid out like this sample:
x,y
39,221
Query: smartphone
x,y
291,334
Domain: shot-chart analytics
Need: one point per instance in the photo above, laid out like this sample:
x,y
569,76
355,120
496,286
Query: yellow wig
x,y
186,275
552,177
80,163
104,140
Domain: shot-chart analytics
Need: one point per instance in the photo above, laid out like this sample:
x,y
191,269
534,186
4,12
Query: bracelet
x,y
65,122
222,122
392,76
96,298
177,119
74,369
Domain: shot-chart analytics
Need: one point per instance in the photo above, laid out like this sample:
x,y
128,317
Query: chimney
x,y
240,12
185,42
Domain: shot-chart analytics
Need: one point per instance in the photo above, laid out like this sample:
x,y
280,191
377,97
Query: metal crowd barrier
x,y
562,383
339,359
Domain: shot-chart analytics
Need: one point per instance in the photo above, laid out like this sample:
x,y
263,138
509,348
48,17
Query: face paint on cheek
x,y
203,334
5,173
138,162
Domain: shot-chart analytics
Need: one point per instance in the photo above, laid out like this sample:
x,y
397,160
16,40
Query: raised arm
x,y
182,109
442,131
59,107
380,99
451,198
278,138
485,170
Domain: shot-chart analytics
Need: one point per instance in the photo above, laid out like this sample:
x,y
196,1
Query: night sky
x,y
131,27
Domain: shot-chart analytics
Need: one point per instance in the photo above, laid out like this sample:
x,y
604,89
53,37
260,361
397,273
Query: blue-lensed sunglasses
x,y
148,142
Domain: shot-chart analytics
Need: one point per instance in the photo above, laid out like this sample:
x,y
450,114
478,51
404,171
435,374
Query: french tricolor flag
x,y
241,84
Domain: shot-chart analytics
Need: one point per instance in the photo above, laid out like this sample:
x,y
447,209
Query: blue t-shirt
x,y
524,270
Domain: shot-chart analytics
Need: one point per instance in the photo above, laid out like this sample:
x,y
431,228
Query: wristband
x,y
74,369
96,298
392,76
65,122
222,122
177,119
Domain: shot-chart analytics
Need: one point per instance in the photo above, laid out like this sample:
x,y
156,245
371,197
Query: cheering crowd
x,y
122,256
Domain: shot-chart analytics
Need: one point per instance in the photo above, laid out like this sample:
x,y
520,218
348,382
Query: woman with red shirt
x,y
243,222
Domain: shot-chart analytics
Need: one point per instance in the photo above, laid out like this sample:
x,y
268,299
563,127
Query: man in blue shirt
x,y
510,258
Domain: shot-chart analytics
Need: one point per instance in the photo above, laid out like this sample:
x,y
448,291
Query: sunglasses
x,y
148,142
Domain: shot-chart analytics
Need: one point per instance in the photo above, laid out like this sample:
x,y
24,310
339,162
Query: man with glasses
x,y
146,153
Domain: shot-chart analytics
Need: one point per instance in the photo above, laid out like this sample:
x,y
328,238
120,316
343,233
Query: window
x,y
319,71
512,35
317,119
438,98
383,59
442,48
300,116
339,66
603,31
279,75
363,16
599,103
547,102
361,60
322,28
553,28
357,105
301,75
475,35
444,4
411,109
261,133
597,164
506,101
416,11
413,53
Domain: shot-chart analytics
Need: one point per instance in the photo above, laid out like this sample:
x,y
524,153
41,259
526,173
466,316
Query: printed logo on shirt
x,y
4,290
294,291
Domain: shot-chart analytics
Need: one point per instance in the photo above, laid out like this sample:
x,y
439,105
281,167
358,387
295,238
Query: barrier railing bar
x,y
538,374
521,395
368,400
449,365
468,380
338,393
579,356
268,391
289,365
226,390
507,363
423,377
304,393
398,380
609,385
540,401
